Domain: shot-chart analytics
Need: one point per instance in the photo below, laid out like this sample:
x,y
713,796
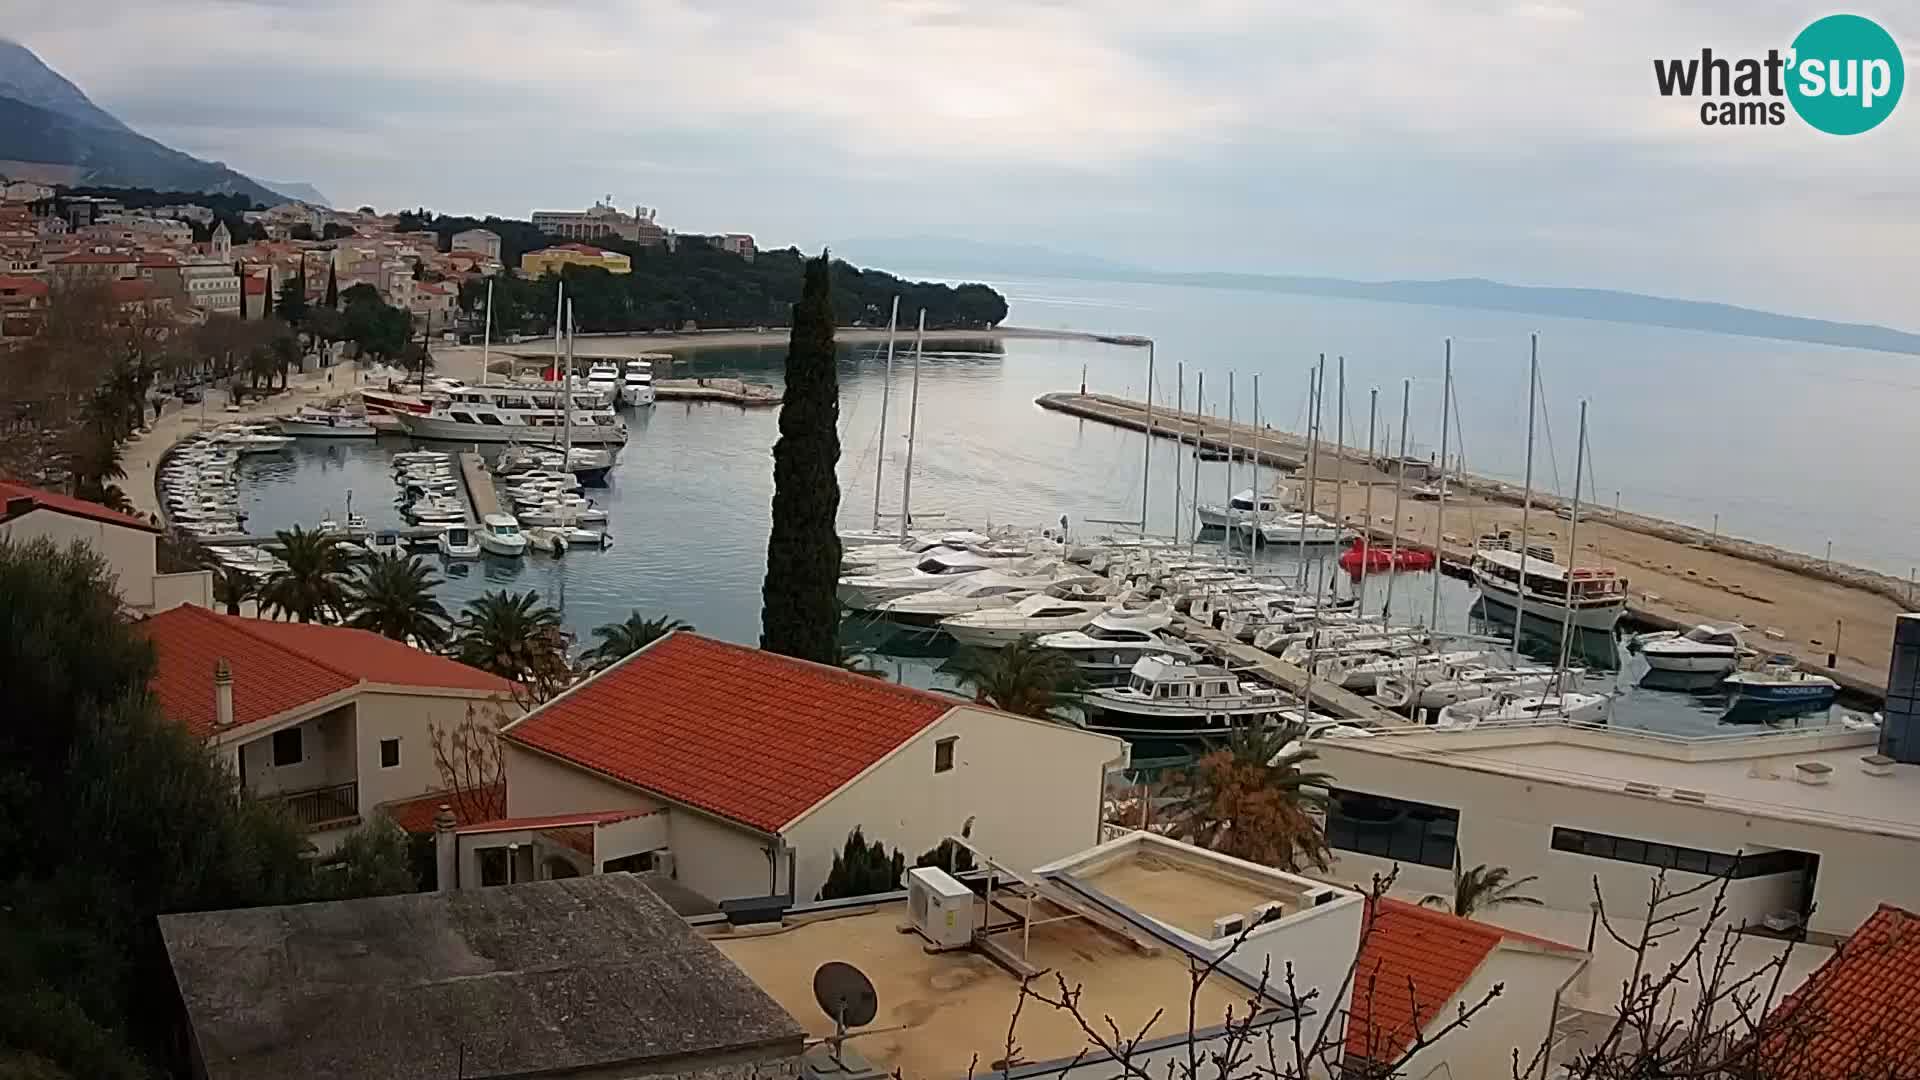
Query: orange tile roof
x,y
11,285
101,257
750,736
416,815
279,666
551,821
1859,1015
67,504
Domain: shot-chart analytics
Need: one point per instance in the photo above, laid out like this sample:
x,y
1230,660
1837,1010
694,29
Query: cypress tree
x,y
800,613
333,287
266,308
241,273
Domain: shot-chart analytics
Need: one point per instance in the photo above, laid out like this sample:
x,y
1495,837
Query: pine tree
x,y
333,288
862,869
800,613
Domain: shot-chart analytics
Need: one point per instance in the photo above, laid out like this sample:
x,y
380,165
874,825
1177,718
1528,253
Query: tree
x,y
467,757
302,231
860,869
233,587
516,637
617,641
392,595
800,613
333,230
284,349
308,587
1251,798
292,304
267,295
240,272
948,856
372,860
332,299
1024,679
1481,887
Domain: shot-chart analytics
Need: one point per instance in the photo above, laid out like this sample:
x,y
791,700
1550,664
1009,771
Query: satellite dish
x,y
845,994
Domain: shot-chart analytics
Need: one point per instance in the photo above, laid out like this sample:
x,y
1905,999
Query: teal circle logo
x,y
1846,74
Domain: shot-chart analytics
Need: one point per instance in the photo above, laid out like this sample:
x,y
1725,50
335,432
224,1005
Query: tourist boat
x,y
458,542
1362,672
1363,557
522,414
587,464
314,423
985,591
636,383
1598,595
1115,640
1239,509
500,535
394,403
1310,529
1705,648
1167,698
1507,707
864,592
1779,687
1435,686
1032,617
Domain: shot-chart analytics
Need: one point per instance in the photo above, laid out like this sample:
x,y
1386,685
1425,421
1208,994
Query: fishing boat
x,y
458,542
1779,687
313,423
500,535
1364,558
1114,641
516,413
1591,598
984,591
1172,699
1032,617
636,384
1705,648
1505,707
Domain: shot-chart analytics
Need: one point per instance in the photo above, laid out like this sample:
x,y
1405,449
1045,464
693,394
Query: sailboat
x,y
560,526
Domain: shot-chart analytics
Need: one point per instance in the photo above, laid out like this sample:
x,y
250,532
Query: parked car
x,y
192,396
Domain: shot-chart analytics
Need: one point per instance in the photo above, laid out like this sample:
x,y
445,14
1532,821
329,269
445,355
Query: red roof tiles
x,y
416,815
279,666
552,821
11,285
750,736
67,504
1859,1015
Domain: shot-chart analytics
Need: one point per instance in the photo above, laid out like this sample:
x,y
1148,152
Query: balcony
x,y
320,808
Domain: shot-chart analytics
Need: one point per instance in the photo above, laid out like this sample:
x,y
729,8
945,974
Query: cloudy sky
x,y
1514,139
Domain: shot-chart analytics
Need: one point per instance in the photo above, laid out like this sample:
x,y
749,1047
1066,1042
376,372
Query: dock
x,y
1325,695
1277,449
482,499
725,391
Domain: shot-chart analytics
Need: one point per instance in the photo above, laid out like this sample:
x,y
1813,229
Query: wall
x,y
326,746
1519,1018
619,839
1319,942
1509,821
128,551
1033,789
720,861
539,786
192,587
408,717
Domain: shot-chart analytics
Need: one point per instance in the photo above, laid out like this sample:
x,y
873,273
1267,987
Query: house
x,y
127,543
480,241
23,305
134,295
1128,922
552,260
594,977
432,304
752,768
1859,1014
1418,967
1814,826
25,191
93,265
211,285
329,720
740,244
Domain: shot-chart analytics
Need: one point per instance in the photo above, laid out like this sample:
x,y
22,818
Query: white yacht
x,y
251,440
1705,648
1778,686
1362,671
1115,640
603,378
1310,529
1165,698
565,510
315,423
556,539
1240,508
1032,617
436,511
1598,595
500,535
864,592
458,542
636,384
1506,707
985,591
1435,686
523,414
384,542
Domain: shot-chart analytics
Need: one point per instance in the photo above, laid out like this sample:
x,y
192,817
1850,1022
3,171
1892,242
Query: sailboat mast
x,y
566,396
1256,540
1313,459
486,335
1573,553
1366,526
1440,514
1146,457
1526,498
1199,409
1233,523
1339,452
1179,439
913,425
886,392
1399,487
559,324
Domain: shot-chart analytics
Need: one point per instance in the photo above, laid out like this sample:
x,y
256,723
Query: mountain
x,y
299,192
47,126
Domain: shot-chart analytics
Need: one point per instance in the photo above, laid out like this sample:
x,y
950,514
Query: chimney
x,y
446,850
222,695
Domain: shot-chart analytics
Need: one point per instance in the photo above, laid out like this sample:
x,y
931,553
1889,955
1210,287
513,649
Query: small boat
x,y
500,535
864,592
253,442
1362,556
1166,698
1505,707
981,592
314,423
562,512
1778,686
1705,648
458,542
1116,640
1310,529
1363,671
384,542
556,539
436,512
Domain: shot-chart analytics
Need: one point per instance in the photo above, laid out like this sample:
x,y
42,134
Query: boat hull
x,y
1797,697
301,429
1588,617
994,637
433,427
1699,662
494,545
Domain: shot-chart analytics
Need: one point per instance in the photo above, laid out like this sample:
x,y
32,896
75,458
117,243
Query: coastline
x,y
630,344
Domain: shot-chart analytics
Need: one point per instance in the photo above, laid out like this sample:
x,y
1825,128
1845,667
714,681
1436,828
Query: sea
x,y
1787,443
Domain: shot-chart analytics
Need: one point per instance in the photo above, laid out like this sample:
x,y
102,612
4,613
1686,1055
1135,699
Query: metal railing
x,y
317,806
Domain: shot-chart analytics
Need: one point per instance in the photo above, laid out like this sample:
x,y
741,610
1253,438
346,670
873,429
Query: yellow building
x,y
551,260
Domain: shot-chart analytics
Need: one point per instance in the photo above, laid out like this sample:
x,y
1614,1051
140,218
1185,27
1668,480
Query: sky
x,y
1521,141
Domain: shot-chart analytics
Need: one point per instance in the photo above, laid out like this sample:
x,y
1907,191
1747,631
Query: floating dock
x,y
1338,700
1277,449
482,499
725,391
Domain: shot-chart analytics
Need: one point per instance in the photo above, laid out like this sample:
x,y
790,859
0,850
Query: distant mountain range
x,y
51,132
927,254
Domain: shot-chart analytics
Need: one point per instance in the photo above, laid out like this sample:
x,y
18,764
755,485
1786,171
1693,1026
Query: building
x,y
23,306
133,295
185,212
552,260
25,191
327,720
602,220
1812,824
594,977
433,304
1127,921
211,286
128,544
1859,1015
740,244
670,730
96,265
483,241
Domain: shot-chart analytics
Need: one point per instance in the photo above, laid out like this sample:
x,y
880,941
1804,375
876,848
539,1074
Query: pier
x,y
1323,694
725,391
482,499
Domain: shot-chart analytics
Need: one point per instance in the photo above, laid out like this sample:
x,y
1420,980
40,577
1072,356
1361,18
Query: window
x,y
287,749
1389,828
389,753
639,864
943,754
1675,857
493,866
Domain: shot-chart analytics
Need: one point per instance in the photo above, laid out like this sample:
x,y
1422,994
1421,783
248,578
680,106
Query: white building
x,y
600,221
211,286
25,191
749,769
1807,821
483,241
128,545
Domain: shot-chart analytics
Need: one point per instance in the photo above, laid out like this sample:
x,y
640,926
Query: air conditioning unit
x,y
1325,894
1271,911
1227,926
940,908
662,863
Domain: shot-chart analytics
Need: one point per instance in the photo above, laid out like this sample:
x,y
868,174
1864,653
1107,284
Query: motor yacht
x,y
458,542
1779,687
313,423
1435,686
603,378
1115,640
500,535
864,592
636,384
518,414
1032,617
1167,698
562,512
1310,529
1507,707
1598,595
987,590
556,539
1362,671
1239,509
1705,648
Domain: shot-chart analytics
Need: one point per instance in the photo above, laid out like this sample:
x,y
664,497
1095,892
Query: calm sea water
x,y
1683,424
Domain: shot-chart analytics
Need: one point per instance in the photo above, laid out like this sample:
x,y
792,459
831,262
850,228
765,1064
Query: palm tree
x,y
309,587
1026,680
617,641
1252,798
516,637
1482,887
392,595
233,587
94,458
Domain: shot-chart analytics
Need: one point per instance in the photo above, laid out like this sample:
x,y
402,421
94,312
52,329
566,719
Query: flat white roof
x,y
1754,774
